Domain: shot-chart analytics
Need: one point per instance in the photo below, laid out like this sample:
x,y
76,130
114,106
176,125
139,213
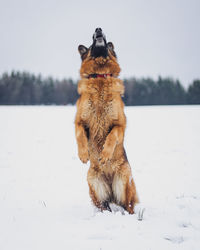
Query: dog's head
x,y
99,58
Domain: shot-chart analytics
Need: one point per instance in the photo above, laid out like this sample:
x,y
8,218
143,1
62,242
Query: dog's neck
x,y
93,85
99,66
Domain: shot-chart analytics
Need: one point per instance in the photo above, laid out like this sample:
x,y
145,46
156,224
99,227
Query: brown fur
x,y
100,125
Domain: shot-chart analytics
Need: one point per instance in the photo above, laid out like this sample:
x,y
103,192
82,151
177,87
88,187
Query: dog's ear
x,y
111,48
82,49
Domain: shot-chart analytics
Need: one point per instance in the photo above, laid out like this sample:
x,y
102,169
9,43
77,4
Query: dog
x,y
100,125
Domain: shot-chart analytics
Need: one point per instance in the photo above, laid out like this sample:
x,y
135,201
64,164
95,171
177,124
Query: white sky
x,y
151,37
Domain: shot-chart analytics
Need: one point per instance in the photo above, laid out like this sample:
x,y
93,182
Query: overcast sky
x,y
151,37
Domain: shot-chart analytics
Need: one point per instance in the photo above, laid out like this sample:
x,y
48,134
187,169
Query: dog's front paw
x,y
106,155
83,155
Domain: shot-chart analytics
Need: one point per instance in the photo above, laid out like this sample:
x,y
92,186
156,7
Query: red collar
x,y
98,75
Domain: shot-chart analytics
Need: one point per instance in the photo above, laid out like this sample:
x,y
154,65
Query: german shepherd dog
x,y
100,126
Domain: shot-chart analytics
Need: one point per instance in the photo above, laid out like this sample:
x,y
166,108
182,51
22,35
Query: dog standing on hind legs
x,y
100,125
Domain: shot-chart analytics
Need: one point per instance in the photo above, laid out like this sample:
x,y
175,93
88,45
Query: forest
x,y
24,88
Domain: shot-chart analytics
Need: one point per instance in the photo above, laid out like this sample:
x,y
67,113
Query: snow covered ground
x,y
44,200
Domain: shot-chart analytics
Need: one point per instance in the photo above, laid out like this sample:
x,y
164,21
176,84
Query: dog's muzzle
x,y
99,39
99,46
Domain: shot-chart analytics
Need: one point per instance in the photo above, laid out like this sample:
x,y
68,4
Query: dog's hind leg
x,y
124,190
100,191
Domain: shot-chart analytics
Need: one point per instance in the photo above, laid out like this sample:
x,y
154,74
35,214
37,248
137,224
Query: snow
x,y
44,200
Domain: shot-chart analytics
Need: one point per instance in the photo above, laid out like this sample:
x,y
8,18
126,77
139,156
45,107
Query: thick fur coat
x,y
100,126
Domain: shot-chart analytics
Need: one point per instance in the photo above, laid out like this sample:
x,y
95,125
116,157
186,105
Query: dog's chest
x,y
99,114
101,108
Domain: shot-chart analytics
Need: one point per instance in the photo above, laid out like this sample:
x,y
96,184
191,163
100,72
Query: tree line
x,y
23,88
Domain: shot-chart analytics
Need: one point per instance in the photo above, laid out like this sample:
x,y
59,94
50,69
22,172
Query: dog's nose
x,y
98,32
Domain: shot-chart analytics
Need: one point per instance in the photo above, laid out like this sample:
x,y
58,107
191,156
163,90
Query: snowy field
x,y
44,200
